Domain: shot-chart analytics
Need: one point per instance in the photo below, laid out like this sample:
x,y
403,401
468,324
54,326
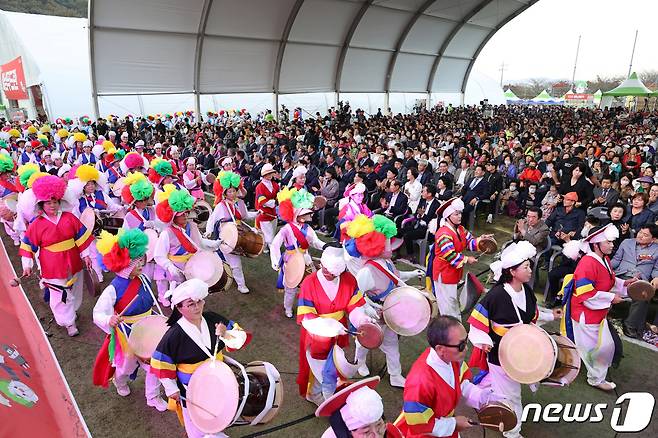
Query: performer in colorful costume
x,y
445,265
137,193
352,205
437,382
178,241
190,342
295,207
588,297
266,192
129,295
8,194
133,162
62,242
228,208
161,173
509,303
369,242
356,411
193,179
327,299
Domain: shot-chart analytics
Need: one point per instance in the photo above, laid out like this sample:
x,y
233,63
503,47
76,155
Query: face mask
x,y
512,188
532,189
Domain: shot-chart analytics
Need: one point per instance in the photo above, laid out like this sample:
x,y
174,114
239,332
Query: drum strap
x,y
299,235
137,215
8,185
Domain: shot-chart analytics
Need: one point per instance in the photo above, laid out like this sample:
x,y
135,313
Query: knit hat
x,y
172,202
118,250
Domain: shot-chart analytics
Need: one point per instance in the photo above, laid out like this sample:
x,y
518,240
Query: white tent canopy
x,y
289,46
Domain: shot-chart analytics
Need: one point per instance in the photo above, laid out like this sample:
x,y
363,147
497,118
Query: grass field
x,y
276,340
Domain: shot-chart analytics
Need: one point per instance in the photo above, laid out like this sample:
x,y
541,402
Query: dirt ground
x,y
276,340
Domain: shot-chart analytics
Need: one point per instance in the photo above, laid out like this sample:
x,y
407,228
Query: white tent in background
x,y
597,96
510,96
543,97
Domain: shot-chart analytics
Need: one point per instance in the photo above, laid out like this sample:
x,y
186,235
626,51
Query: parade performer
x,y
445,266
357,411
326,297
62,242
228,208
178,241
161,173
437,382
133,162
190,342
352,205
8,195
137,194
26,202
266,192
369,241
298,179
193,179
509,303
588,297
129,295
295,208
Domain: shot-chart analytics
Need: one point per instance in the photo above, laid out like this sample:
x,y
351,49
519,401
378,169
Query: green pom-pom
x,y
26,176
163,168
229,179
180,200
135,241
384,225
6,163
141,190
120,154
302,199
44,141
3,144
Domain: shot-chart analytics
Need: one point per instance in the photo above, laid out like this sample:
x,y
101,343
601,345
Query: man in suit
x,y
475,190
395,203
532,228
424,214
347,177
605,196
240,166
286,172
443,171
495,180
425,174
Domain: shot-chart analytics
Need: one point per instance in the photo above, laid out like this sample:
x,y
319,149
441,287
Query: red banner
x,y
35,400
13,80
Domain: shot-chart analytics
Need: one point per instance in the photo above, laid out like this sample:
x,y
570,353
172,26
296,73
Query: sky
x,y
541,42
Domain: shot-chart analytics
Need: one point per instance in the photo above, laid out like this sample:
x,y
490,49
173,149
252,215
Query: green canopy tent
x,y
632,86
510,96
543,97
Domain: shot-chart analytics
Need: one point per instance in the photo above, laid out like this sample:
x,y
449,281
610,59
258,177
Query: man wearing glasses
x,y
437,381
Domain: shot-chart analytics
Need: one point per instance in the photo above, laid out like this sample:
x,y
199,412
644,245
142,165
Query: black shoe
x,y
631,332
553,304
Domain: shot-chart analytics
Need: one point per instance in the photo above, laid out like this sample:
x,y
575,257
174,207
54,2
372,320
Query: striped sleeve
x,y
480,318
83,237
305,309
471,242
163,366
27,248
445,249
357,300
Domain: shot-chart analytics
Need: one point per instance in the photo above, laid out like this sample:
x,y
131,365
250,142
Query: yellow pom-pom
x,y
31,129
361,225
42,137
285,194
79,136
87,173
45,128
63,134
106,241
25,167
14,133
107,145
34,177
133,177
164,195
156,161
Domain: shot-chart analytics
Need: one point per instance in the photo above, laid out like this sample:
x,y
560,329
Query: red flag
x,y
13,80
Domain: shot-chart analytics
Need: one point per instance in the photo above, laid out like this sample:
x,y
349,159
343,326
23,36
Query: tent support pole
x,y
275,104
428,101
141,105
197,106
387,105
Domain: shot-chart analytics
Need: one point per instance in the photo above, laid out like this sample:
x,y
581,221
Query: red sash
x,y
301,239
184,240
137,215
232,210
384,271
9,186
103,369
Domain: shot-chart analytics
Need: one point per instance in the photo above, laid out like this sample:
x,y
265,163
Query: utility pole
x,y
502,69
630,66
575,63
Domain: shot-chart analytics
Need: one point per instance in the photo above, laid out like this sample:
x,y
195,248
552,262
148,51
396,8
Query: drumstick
x,y
391,306
187,400
17,280
500,426
129,304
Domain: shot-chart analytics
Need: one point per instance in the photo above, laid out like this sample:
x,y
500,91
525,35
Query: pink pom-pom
x,y
49,187
71,174
134,160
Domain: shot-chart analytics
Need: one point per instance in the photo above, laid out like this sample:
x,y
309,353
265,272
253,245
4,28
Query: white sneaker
x,y
490,218
397,381
605,386
266,250
123,391
288,313
363,369
72,330
156,402
243,290
316,399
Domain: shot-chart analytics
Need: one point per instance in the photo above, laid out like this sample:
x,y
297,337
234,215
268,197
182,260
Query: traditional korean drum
x,y
201,213
225,281
206,266
528,354
641,290
88,219
251,241
294,269
228,234
487,245
90,281
407,311
118,186
370,335
146,334
319,202
493,414
220,394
